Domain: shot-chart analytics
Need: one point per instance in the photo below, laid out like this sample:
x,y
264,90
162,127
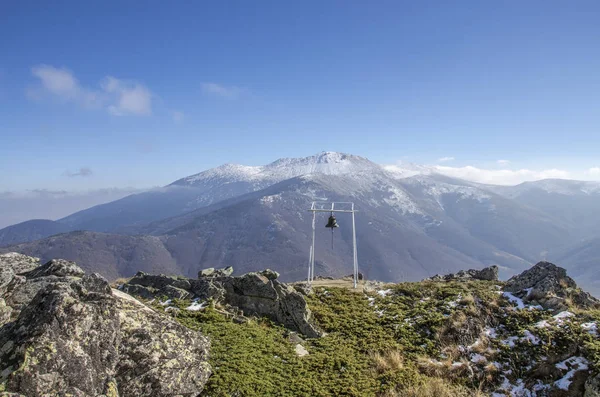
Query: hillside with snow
x,y
413,222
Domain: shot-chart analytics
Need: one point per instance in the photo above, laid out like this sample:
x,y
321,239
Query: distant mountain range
x,y
412,223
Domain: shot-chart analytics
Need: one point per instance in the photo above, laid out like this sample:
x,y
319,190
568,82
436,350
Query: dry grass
x,y
467,300
460,329
435,387
481,345
452,352
392,360
447,369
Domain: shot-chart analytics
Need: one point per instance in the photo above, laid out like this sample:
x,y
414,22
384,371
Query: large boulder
x,y
23,277
489,274
549,285
64,341
56,267
13,264
18,263
150,286
256,294
78,337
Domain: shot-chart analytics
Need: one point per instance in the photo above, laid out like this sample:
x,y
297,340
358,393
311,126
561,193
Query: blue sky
x,y
114,94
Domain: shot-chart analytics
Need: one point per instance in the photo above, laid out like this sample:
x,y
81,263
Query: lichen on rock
x,y
73,335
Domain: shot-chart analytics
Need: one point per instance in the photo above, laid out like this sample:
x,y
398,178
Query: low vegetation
x,y
410,339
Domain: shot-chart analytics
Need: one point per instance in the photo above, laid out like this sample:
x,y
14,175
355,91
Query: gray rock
x,y
159,281
11,264
295,338
212,272
256,293
177,293
5,312
226,271
157,356
63,341
544,276
437,277
550,286
206,272
270,274
56,267
592,387
18,263
489,273
75,336
139,290
303,288
207,288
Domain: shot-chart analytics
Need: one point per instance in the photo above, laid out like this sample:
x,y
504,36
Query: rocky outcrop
x,y
256,294
489,273
212,272
73,335
592,387
260,294
548,285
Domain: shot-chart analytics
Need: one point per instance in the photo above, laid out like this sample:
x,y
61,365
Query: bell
x,y
332,223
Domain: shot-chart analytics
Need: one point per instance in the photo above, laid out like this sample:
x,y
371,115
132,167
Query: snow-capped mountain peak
x,y
329,163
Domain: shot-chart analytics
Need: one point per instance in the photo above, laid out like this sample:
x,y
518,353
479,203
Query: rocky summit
x,y
65,333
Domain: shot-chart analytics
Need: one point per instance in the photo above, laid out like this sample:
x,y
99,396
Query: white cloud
x,y
595,171
118,97
500,177
127,97
83,172
178,116
57,81
503,162
445,159
229,92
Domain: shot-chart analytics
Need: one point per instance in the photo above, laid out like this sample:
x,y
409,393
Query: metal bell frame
x,y
319,206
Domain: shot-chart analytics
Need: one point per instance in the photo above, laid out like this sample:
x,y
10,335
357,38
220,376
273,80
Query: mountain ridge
x,y
405,220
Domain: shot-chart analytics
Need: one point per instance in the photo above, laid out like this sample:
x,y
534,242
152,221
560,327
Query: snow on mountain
x,y
563,187
412,219
407,170
329,163
436,188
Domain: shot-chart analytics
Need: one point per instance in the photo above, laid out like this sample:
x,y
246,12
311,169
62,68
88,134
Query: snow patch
x,y
591,328
490,333
561,315
531,338
196,306
513,299
573,365
478,358
510,342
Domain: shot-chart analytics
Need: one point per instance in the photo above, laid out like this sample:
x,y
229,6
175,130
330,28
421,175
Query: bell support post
x,y
322,207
